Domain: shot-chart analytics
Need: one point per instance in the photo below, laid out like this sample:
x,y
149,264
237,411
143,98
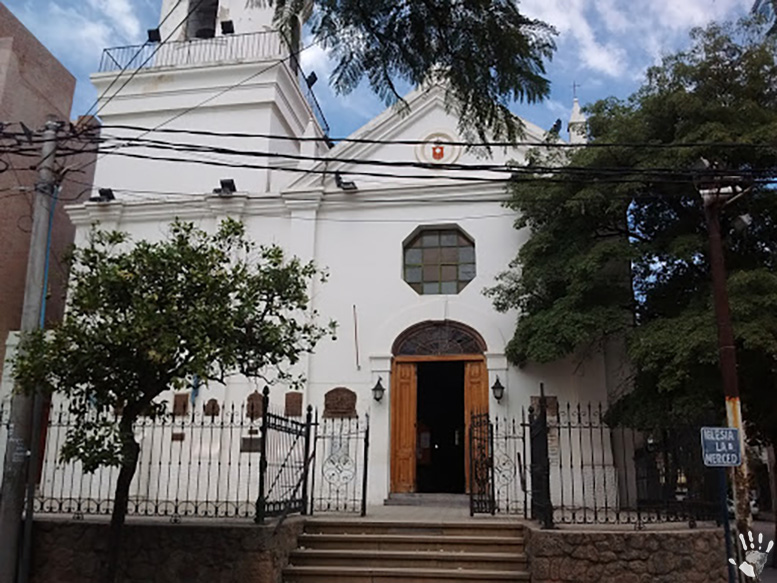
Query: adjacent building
x,y
33,87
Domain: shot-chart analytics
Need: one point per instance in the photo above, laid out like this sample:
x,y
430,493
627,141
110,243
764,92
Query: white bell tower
x,y
213,65
578,125
207,16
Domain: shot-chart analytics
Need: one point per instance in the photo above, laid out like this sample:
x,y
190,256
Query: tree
x,y
486,51
145,318
618,243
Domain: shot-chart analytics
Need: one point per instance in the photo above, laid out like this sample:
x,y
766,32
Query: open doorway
x,y
440,427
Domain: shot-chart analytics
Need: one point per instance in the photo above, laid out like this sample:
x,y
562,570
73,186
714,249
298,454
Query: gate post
x,y
261,502
541,506
308,425
364,466
491,476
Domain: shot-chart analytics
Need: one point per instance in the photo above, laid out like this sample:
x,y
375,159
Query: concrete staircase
x,y
352,551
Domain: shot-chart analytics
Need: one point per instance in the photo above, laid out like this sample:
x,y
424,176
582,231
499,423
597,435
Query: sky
x,y
604,47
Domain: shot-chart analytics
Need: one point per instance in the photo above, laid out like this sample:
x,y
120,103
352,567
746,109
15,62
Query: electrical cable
x,y
566,170
151,56
621,176
561,145
207,100
132,60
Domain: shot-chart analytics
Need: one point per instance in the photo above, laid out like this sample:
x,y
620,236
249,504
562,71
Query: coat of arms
x,y
438,152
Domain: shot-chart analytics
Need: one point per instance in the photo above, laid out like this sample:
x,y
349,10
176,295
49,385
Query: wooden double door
x,y
404,414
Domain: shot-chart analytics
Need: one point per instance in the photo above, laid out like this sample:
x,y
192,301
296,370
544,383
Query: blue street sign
x,y
720,447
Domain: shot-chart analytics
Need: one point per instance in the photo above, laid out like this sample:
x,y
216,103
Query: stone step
x,y
427,500
399,575
414,542
472,528
494,561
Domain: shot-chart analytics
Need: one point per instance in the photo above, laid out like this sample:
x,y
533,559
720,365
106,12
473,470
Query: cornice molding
x,y
283,205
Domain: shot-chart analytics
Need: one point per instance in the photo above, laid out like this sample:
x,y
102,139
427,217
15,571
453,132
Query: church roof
x,y
426,117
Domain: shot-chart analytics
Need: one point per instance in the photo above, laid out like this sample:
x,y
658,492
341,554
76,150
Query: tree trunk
x,y
130,454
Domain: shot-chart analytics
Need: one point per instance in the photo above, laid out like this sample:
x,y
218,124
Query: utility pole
x,y
714,200
19,448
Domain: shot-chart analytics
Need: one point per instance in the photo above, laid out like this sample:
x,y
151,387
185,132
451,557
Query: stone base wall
x,y
579,556
157,552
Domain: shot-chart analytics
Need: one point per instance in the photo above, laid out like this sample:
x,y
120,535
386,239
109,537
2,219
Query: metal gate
x,y
283,463
481,465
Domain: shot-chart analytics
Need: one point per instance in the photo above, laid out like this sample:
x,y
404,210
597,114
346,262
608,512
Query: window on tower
x,y
439,260
202,20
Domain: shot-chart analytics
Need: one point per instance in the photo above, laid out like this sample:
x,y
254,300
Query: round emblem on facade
x,y
437,149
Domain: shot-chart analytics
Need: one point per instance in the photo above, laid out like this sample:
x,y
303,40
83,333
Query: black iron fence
x,y
565,464
236,462
233,48
481,471
283,463
339,481
226,48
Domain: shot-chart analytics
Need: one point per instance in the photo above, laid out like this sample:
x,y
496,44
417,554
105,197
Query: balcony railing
x,y
234,48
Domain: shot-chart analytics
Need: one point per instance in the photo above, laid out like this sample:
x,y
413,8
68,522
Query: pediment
x,y
382,156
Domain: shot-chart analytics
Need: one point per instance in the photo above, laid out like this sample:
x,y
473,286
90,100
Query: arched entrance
x,y
438,380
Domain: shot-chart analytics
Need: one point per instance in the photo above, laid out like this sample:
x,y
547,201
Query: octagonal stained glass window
x,y
439,261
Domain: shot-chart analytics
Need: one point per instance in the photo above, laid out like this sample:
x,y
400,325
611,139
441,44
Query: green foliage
x,y
618,241
486,51
147,317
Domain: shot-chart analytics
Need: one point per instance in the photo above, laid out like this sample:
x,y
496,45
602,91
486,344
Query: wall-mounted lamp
x,y
344,184
154,36
104,195
227,27
227,187
378,390
498,390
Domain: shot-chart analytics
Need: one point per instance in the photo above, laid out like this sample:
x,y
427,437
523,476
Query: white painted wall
x,y
357,236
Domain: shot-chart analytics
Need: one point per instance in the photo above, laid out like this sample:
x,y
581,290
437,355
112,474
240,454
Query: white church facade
x,y
409,248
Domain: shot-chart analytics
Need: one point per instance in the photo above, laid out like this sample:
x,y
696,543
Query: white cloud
x,y
122,17
67,30
569,18
315,58
558,108
617,37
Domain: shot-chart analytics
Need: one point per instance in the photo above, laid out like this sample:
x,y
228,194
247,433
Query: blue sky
x,y
604,46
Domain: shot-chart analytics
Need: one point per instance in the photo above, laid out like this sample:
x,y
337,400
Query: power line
x,y
567,169
291,54
135,56
513,174
543,144
151,56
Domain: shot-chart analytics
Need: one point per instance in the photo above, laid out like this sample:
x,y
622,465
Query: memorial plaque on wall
x,y
181,404
340,403
251,444
211,408
293,404
254,405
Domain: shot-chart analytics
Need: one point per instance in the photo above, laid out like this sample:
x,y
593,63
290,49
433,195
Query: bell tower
x,y
578,132
204,18
218,66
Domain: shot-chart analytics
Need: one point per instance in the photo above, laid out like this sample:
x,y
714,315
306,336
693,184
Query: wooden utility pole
x,y
714,200
18,450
